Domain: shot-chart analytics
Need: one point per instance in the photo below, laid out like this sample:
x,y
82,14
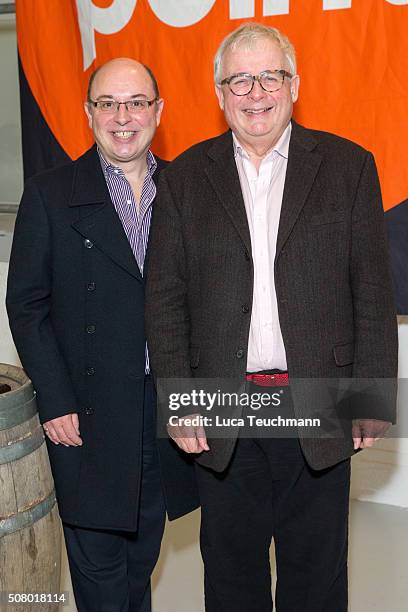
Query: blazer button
x,y
91,286
247,257
240,353
245,308
91,329
89,410
88,243
90,371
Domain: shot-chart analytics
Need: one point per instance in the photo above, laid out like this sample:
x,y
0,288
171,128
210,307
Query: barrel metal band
x,y
11,418
27,517
16,450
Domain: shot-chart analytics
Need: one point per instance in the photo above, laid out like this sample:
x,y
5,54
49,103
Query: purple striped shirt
x,y
135,221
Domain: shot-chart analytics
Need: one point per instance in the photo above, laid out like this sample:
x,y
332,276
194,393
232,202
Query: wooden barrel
x,y
30,531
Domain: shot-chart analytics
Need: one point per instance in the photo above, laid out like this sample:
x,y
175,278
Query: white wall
x,y
11,168
8,353
380,474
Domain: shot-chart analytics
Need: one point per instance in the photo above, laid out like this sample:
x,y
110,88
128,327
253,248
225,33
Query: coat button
x,y
246,254
91,329
89,410
245,308
240,353
88,243
91,286
90,371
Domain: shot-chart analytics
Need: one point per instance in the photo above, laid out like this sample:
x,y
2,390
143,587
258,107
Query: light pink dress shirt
x,y
263,193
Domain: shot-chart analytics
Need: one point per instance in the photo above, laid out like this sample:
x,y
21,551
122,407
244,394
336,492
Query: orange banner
x,y
352,60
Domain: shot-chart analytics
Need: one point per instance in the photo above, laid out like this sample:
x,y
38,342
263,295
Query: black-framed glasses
x,y
134,106
241,84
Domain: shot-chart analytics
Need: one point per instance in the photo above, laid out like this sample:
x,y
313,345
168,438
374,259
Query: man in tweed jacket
x,y
269,261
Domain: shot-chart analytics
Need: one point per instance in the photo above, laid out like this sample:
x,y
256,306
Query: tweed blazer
x,y
332,278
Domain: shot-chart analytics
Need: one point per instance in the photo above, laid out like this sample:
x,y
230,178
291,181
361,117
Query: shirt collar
x,y
111,169
281,147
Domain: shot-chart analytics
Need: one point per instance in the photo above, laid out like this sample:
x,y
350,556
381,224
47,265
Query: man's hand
x,y
190,438
64,430
365,432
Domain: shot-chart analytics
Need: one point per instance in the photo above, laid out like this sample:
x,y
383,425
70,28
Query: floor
x,y
378,563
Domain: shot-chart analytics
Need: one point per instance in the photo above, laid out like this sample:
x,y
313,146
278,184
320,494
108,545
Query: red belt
x,y
269,380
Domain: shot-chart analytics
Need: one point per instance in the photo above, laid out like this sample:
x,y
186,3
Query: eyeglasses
x,y
241,84
138,105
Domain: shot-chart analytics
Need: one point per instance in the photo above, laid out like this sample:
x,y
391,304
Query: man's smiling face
x,y
259,118
123,137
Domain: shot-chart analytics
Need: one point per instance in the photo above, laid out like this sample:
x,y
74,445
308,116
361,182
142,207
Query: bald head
x,y
122,64
123,110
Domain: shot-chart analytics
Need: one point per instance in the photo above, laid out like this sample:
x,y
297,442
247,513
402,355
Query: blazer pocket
x,y
194,356
328,218
344,354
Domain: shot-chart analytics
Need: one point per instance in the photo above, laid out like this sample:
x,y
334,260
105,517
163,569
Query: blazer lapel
x,y
98,220
223,175
303,164
161,164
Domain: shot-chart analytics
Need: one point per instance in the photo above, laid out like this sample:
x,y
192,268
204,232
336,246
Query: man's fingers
x,y
193,445
51,433
186,444
366,432
367,442
64,430
356,442
190,439
202,438
71,430
75,423
68,435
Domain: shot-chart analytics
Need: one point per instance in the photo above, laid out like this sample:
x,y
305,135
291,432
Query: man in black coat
x,y
269,263
75,301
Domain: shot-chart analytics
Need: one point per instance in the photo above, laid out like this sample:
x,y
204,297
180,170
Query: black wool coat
x,y
75,301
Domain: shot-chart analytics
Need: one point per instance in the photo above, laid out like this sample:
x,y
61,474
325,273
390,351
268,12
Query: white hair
x,y
248,34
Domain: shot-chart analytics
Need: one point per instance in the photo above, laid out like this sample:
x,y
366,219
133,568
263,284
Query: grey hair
x,y
248,34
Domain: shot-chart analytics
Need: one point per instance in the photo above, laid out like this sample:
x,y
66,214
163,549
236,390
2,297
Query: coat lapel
x,y
98,220
303,164
223,175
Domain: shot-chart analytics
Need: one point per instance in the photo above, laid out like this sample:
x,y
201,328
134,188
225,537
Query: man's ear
x,y
159,110
220,95
88,114
294,87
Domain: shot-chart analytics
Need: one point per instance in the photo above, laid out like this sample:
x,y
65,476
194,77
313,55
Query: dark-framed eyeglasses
x,y
134,106
241,84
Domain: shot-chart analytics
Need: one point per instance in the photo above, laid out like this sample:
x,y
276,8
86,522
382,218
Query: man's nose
x,y
122,115
257,91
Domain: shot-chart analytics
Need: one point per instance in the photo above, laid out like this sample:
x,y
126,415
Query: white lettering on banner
x,y
275,7
175,13
103,20
329,5
181,13
242,9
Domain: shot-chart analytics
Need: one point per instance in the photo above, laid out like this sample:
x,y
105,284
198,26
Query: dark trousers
x,y
111,570
268,491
